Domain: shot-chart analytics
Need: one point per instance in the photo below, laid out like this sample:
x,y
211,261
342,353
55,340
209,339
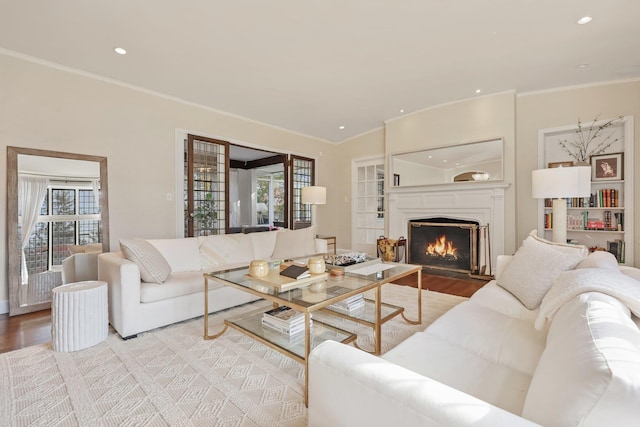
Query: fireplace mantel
x,y
477,201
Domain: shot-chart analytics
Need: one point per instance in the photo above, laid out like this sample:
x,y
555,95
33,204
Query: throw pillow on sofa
x,y
295,243
535,265
154,268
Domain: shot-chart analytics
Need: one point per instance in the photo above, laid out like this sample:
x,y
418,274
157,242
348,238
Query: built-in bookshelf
x,y
605,219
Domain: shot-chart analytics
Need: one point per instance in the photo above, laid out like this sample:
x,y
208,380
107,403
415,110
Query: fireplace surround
x,y
478,201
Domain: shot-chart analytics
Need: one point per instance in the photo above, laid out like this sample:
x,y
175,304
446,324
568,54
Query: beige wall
x,y
46,108
560,108
477,119
367,145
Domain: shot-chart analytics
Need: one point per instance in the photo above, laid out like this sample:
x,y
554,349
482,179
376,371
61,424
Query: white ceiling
x,y
311,66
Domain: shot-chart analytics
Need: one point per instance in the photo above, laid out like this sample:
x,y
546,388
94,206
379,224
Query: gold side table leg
x,y
307,350
377,333
206,314
419,321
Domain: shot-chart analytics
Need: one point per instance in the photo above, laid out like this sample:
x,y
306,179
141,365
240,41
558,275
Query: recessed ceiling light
x,y
402,110
583,65
340,127
444,161
584,20
478,90
120,51
430,157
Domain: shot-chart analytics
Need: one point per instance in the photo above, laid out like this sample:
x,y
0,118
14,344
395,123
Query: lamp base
x,y
559,223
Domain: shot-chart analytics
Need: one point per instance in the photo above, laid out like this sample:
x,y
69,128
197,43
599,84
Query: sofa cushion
x,y
295,243
177,284
535,265
263,244
589,373
181,254
222,249
153,266
499,299
477,350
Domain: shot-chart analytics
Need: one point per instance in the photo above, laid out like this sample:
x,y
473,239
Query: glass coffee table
x,y
311,297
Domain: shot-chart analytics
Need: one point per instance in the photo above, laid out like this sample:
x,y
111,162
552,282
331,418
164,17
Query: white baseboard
x,y
4,306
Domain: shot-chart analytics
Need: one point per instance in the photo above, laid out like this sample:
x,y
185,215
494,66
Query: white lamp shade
x,y
561,182
314,195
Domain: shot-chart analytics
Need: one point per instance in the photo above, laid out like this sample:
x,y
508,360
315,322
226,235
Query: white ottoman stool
x,y
79,315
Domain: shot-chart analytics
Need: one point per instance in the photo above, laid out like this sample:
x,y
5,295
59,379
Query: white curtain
x,y
96,192
31,194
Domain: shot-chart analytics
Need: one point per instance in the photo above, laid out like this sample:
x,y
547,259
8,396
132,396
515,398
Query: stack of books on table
x,y
284,319
349,306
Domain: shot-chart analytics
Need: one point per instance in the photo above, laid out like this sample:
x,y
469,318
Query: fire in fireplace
x,y
444,243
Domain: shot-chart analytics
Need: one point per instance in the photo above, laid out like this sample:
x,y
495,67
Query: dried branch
x,y
579,148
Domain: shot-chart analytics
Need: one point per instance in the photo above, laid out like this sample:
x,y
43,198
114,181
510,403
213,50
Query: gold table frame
x,y
257,288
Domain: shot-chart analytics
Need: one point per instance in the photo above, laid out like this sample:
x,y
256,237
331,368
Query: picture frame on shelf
x,y
559,165
607,167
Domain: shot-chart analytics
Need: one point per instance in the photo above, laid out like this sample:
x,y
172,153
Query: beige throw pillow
x,y
154,268
295,243
534,267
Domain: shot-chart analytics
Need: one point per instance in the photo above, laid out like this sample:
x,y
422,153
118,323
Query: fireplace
x,y
445,243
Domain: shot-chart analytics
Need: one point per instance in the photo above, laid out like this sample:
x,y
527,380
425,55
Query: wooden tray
x,y
284,283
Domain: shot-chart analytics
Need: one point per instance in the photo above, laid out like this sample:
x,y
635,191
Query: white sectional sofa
x,y
158,282
571,358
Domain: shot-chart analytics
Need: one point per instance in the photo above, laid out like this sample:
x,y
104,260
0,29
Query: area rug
x,y
173,377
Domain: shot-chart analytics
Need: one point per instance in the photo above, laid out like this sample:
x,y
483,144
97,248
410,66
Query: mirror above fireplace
x,y
480,161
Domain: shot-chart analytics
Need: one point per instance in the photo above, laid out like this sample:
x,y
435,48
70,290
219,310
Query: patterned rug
x,y
172,377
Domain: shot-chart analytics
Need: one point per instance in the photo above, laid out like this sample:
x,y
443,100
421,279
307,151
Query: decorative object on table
x,y
346,258
259,268
589,141
313,195
560,183
607,167
296,272
391,249
316,265
284,319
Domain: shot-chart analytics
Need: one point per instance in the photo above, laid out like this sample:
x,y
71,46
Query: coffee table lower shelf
x,y
251,324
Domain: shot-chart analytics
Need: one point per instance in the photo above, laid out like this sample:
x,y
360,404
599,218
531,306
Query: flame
x,y
442,247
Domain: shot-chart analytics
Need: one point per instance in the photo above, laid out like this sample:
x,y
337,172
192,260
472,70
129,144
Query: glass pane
x,y
63,233
63,202
89,231
87,203
302,173
37,250
208,188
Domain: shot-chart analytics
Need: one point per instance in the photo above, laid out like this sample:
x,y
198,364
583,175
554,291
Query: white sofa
x,y
173,270
484,362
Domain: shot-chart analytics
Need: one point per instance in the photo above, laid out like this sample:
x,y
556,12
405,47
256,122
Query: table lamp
x,y
314,195
558,183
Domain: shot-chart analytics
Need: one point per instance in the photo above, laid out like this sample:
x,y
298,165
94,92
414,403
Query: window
x,y
270,199
69,216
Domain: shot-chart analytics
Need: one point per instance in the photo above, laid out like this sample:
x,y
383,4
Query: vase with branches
x,y
589,140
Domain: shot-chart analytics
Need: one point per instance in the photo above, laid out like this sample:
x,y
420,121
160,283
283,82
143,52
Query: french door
x,y
368,204
206,186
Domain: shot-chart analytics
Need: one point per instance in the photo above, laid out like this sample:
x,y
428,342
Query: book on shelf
x,y
278,336
284,319
296,272
617,248
348,305
289,330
